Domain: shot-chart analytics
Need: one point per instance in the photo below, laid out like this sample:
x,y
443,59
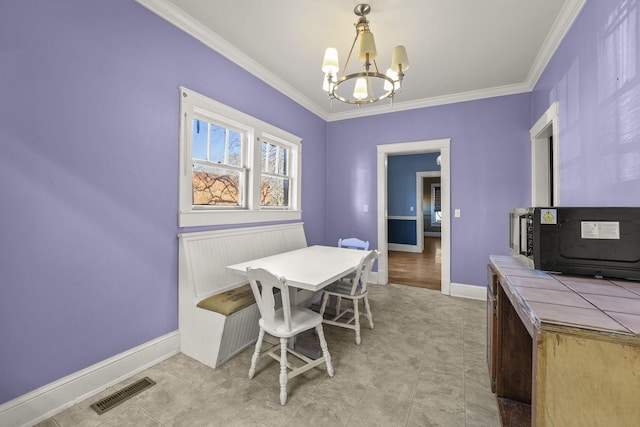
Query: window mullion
x,y
217,165
208,141
226,146
274,175
256,153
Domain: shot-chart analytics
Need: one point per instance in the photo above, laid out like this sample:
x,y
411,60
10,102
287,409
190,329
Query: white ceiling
x,y
458,49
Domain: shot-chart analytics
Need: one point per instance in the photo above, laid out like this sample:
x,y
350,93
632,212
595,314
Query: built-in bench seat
x,y
229,302
218,316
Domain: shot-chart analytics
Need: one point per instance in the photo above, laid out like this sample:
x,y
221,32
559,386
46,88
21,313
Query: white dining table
x,y
311,268
307,269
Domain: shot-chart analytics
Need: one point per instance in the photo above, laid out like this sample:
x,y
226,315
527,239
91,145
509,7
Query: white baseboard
x,y
468,291
403,248
48,400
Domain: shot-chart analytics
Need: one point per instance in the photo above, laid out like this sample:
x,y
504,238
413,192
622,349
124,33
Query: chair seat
x,y
302,320
342,287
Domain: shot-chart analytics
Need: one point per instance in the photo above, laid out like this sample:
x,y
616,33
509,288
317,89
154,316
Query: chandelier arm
x,y
346,64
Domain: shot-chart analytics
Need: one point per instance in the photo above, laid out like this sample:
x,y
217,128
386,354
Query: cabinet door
x,y
491,339
492,328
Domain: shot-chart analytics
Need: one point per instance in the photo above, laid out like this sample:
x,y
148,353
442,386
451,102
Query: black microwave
x,y
590,241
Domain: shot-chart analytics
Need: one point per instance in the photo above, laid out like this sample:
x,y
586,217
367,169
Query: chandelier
x,y
370,85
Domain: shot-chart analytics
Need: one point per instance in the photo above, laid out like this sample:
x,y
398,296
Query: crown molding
x,y
559,29
432,102
176,16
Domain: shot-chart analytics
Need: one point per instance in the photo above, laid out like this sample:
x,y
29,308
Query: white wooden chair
x,y
353,243
351,289
284,322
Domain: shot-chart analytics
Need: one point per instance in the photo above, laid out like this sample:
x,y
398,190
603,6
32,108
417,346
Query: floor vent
x,y
120,396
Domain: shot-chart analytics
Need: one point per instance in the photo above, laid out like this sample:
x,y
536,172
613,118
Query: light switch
x,y
456,213
365,208
411,208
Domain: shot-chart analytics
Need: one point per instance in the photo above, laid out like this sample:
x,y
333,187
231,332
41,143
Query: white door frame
x,y
419,214
418,147
546,126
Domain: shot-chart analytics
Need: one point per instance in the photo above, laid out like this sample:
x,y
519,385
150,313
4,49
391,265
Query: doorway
x,y
544,159
422,268
441,145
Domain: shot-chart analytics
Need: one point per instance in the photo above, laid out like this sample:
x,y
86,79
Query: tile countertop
x,y
576,301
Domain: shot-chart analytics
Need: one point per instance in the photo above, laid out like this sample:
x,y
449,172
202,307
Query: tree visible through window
x,y
218,175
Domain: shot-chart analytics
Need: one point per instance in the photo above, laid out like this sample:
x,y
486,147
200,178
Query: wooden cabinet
x,y
514,355
558,352
492,288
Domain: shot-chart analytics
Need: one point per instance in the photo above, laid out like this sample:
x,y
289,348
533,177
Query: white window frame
x,y
279,144
193,104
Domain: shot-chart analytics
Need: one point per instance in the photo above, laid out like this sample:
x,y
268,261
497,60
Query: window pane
x,y
437,200
283,164
216,186
271,164
199,143
274,192
218,141
235,148
263,155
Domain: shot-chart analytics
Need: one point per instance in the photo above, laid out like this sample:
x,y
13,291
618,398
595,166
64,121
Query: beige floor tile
x,y
379,407
437,413
321,413
423,364
131,415
480,406
437,386
48,423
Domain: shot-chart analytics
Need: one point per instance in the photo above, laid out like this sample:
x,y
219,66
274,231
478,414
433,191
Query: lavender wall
x,y
88,178
489,173
595,77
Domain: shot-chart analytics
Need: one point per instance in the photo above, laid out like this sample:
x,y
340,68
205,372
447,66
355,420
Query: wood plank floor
x,y
420,270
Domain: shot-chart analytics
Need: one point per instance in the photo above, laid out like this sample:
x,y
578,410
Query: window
x,y
234,168
436,205
218,168
274,181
